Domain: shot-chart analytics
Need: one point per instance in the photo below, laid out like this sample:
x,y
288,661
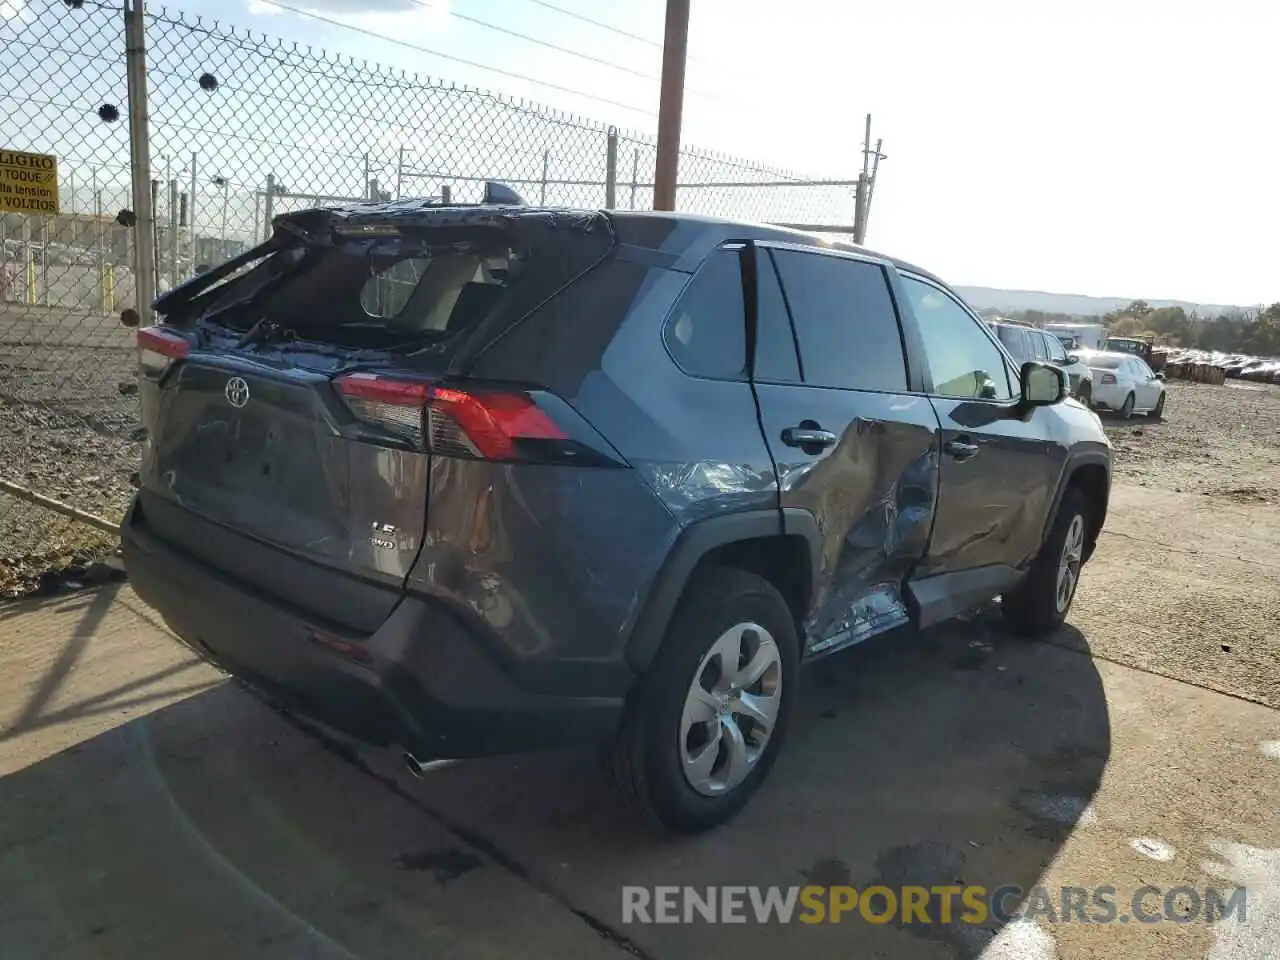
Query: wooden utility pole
x,y
675,45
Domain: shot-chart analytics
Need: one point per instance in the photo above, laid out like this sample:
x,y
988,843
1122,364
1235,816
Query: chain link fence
x,y
243,127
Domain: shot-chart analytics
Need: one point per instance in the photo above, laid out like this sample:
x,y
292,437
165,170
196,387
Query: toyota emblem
x,y
237,392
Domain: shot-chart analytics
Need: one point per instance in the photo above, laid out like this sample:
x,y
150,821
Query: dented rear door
x,y
851,445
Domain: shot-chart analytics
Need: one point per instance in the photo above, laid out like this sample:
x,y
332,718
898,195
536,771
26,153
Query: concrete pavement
x,y
148,808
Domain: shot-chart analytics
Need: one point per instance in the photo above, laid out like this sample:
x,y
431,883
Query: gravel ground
x,y
1221,442
68,430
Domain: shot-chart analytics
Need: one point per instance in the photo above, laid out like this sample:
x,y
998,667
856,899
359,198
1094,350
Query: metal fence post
x,y
191,218
611,169
44,261
446,194
140,158
269,202
173,234
546,168
157,258
635,175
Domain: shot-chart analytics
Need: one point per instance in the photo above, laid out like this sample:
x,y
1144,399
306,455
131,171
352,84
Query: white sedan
x,y
1125,384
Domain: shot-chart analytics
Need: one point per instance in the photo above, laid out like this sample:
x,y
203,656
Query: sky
x,y
1107,147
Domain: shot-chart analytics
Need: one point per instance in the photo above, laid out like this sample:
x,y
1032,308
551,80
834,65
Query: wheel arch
x,y
780,545
1090,472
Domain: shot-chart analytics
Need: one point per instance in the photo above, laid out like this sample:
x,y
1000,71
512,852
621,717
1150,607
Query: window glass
x,y
1144,372
962,359
844,321
776,360
1038,351
1057,351
706,333
386,293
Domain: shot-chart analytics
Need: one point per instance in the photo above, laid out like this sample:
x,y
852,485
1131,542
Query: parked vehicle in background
x,y
1025,342
1137,346
1086,336
1125,384
475,479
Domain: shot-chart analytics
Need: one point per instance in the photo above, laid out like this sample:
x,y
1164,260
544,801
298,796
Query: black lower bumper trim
x,y
420,681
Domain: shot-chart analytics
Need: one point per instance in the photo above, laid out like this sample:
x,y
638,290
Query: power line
x,y
596,23
542,43
448,56
647,41
652,77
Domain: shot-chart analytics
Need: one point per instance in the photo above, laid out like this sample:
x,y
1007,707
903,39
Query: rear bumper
x,y
421,681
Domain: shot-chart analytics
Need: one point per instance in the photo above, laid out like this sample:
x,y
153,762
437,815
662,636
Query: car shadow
x,y
217,827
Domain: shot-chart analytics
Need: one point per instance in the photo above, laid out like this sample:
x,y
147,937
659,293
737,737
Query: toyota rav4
x,y
463,480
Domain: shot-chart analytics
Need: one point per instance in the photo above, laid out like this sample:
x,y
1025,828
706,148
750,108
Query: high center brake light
x,y
158,349
486,424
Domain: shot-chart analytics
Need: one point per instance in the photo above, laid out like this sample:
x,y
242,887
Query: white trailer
x,y
1079,336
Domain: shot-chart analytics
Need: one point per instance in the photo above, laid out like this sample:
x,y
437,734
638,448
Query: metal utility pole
x,y
675,45
140,150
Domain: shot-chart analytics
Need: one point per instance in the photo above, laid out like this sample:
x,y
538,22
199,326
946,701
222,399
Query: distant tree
x,y
1125,327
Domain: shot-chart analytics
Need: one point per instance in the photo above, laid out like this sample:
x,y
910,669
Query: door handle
x,y
809,439
960,448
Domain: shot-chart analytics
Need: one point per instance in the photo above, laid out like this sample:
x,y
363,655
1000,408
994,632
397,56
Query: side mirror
x,y
1042,385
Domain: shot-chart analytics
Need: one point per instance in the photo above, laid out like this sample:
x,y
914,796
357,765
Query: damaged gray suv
x,y
464,480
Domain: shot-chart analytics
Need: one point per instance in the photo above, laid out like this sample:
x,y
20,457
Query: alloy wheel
x,y
1069,563
731,709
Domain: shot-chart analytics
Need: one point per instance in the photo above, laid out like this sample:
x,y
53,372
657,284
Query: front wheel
x,y
709,718
1158,412
1041,602
1126,411
1085,393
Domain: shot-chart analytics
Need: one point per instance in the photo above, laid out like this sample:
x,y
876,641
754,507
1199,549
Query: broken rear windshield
x,y
402,287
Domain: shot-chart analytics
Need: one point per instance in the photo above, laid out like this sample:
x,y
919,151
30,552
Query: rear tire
x,y
701,731
1041,602
1126,411
1084,393
1158,412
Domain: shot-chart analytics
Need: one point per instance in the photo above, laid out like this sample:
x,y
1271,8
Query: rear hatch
x,y
294,395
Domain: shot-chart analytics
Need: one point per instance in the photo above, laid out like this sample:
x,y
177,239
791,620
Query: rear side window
x,y
706,333
844,321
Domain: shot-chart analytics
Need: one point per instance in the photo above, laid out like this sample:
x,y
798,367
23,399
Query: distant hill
x,y
1009,301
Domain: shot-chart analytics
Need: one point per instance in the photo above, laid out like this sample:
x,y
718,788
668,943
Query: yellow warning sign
x,y
28,182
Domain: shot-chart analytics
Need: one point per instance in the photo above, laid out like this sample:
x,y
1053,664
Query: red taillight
x,y
1108,378
490,422
158,348
486,424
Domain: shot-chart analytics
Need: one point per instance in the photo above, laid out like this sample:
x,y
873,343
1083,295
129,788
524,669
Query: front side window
x,y
1057,352
706,333
844,320
965,364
